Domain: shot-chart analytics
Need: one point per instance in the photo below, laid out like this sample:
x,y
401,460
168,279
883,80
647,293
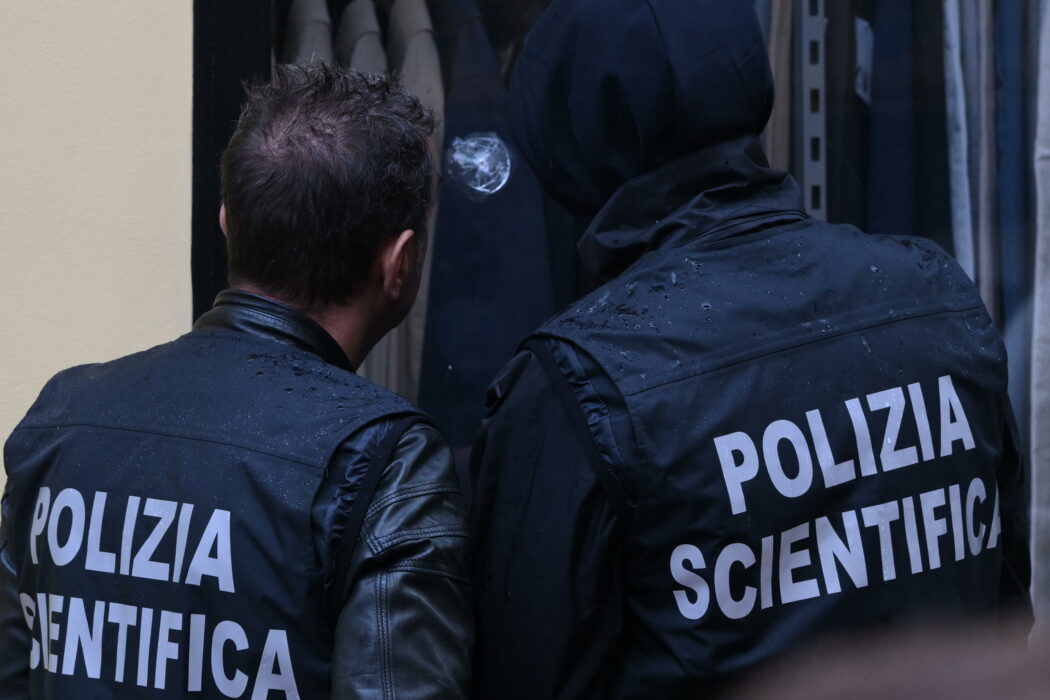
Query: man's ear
x,y
397,260
222,220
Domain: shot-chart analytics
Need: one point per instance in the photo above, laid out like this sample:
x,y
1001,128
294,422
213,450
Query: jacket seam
x,y
142,431
567,397
616,467
434,570
410,492
796,346
384,542
248,337
382,613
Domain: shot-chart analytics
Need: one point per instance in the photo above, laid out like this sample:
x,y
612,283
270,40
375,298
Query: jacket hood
x,y
608,90
708,195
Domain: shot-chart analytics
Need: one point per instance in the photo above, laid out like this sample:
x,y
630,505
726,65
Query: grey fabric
x,y
411,50
977,19
309,33
359,40
958,139
359,45
1040,419
778,132
396,361
376,366
970,38
764,10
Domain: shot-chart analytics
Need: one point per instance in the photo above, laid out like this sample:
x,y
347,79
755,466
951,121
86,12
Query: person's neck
x,y
354,325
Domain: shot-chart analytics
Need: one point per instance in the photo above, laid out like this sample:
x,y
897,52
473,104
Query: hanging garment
x,y
892,178
978,60
396,361
764,10
970,38
359,45
848,114
359,41
908,190
1040,421
958,139
491,278
412,51
308,36
1015,244
778,132
932,212
1040,367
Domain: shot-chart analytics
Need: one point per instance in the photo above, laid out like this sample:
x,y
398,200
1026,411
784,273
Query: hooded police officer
x,y
236,513
760,428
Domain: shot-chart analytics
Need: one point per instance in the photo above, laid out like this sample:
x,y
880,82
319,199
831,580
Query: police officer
x,y
236,513
760,428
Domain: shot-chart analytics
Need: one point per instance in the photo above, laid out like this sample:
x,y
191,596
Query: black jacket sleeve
x,y
406,629
547,533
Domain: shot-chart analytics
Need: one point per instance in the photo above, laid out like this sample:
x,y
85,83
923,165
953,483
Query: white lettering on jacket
x,y
68,531
742,461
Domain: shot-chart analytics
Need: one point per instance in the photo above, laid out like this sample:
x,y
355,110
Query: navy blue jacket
x,y
761,429
233,513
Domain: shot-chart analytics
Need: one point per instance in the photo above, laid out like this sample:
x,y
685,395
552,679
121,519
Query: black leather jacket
x,y
405,629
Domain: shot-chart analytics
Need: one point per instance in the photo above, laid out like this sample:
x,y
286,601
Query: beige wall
x,y
95,158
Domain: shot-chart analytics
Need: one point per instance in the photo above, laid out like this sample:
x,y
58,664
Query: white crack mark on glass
x,y
481,161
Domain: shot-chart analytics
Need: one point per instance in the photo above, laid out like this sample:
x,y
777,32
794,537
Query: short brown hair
x,y
324,166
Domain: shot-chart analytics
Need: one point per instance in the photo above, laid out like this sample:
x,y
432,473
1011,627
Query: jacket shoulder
x,y
221,387
551,374
66,385
682,311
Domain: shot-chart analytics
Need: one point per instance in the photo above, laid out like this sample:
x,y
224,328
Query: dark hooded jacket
x,y
760,429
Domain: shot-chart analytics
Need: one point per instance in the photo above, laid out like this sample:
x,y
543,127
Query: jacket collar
x,y
260,316
709,195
